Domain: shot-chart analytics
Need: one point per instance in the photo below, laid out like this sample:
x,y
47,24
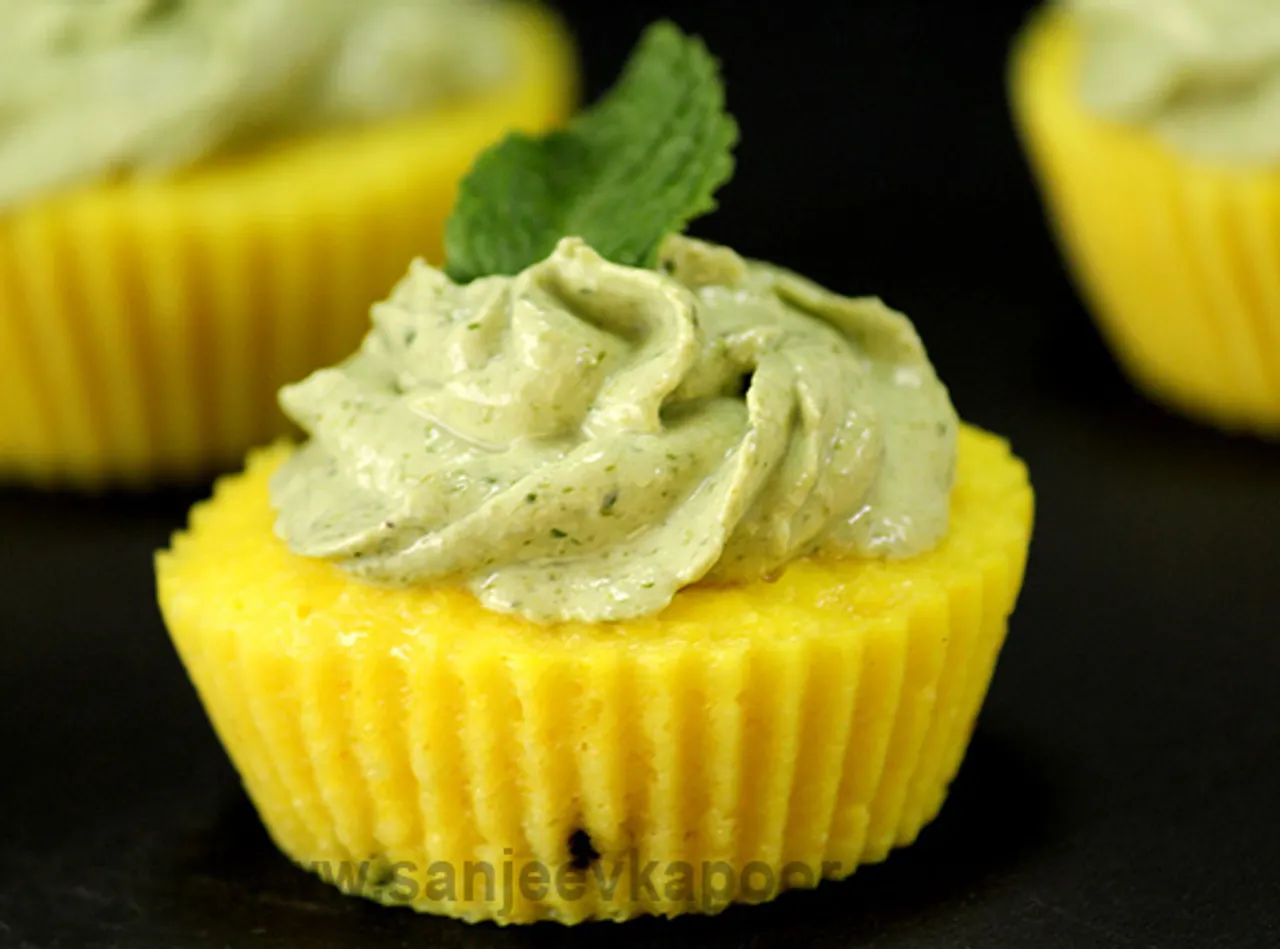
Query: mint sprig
x,y
639,165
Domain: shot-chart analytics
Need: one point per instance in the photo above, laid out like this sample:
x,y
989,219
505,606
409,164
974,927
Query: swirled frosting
x,y
1204,75
582,440
95,87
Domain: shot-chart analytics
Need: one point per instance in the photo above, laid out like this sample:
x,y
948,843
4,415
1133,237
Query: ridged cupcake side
x,y
764,737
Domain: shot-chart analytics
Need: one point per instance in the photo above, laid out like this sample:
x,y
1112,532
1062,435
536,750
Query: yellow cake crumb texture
x,y
1177,258
145,326
764,736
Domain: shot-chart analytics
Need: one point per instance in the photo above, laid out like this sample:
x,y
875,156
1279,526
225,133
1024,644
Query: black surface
x,y
1121,787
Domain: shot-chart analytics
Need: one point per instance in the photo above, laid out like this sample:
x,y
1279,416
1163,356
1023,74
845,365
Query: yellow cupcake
x,y
1178,256
146,326
605,585
409,744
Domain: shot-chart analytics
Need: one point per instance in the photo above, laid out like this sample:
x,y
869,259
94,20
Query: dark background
x,y
1122,784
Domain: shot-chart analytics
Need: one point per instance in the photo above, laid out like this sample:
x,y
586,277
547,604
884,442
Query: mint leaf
x,y
639,165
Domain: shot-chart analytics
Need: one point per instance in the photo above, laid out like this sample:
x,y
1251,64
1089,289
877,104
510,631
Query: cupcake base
x,y
1178,260
145,326
415,748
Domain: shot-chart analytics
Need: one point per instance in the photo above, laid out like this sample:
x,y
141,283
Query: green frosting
x,y
583,439
1204,75
94,87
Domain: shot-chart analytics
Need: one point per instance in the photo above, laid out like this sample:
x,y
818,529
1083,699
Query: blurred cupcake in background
x,y
1154,129
199,199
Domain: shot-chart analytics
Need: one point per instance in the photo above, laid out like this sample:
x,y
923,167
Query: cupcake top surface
x,y
1204,75
583,439
586,412
95,87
